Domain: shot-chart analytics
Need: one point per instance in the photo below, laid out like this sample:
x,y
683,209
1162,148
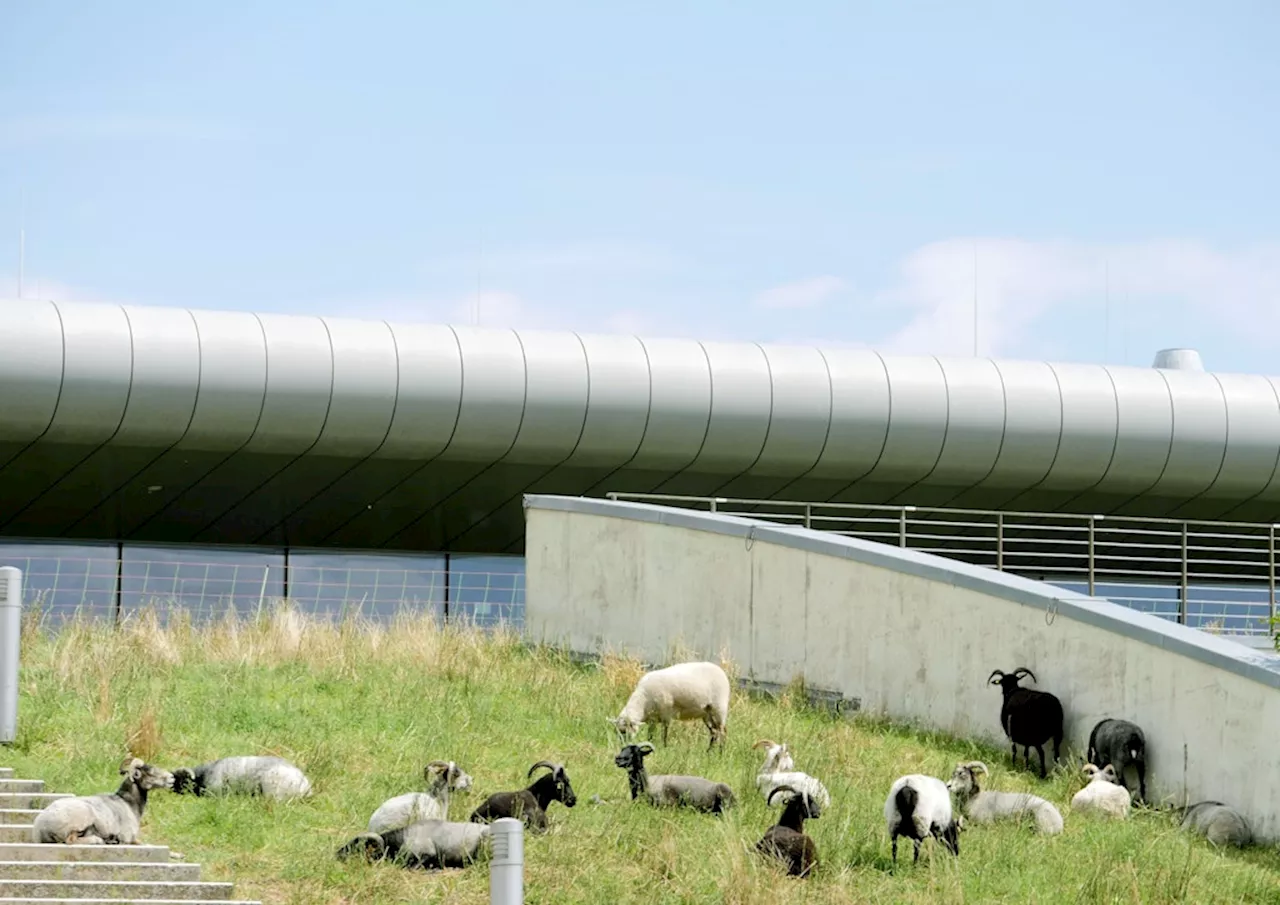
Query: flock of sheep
x,y
414,830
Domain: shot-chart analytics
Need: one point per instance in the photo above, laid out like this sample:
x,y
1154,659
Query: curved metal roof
x,y
167,424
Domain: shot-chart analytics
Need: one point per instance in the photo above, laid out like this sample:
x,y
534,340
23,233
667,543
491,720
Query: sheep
x,y
1120,743
427,844
1029,718
270,777
671,790
779,770
786,840
530,804
441,776
107,818
1103,793
988,806
919,807
1219,823
685,691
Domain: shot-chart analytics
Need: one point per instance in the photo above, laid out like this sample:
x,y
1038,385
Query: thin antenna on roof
x,y
975,299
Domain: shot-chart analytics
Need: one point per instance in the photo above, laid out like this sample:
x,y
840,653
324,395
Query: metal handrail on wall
x,y
1211,574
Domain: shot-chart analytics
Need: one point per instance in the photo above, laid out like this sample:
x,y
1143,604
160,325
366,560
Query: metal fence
x,y
112,581
1218,576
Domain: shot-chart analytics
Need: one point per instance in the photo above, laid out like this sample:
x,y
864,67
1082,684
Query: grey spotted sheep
x,y
107,818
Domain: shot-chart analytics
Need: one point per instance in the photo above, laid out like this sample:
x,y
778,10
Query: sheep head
x,y
145,775
809,809
777,758
448,774
1008,682
625,726
564,790
964,781
631,757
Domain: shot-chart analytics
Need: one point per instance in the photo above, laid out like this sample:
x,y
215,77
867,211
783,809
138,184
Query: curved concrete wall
x,y
912,635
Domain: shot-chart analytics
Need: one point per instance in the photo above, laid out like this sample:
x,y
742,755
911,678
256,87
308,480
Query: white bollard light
x,y
10,637
506,869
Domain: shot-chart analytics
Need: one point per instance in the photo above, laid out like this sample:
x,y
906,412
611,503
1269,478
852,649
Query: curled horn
x,y
436,765
130,763
776,789
1023,671
645,748
997,675
977,766
543,763
764,742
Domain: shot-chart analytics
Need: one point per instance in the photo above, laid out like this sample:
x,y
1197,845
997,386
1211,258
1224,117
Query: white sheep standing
x,y
414,807
987,806
248,774
1103,793
919,807
686,691
108,818
779,770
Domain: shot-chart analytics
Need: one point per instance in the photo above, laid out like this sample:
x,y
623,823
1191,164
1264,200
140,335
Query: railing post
x,y
1092,519
1182,602
713,504
902,527
10,642
1000,542
1271,578
808,517
506,866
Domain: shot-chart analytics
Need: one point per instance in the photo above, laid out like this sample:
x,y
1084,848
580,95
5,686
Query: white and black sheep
x,y
433,804
1219,823
685,691
919,807
1029,718
429,844
987,806
530,804
1120,743
670,790
107,818
252,774
1103,793
779,769
786,840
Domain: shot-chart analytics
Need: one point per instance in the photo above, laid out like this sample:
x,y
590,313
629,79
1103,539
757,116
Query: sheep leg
x,y
1013,752
1040,751
917,857
1142,781
665,726
894,847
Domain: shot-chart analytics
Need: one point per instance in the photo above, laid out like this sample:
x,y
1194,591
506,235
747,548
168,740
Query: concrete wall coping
x,y
1056,602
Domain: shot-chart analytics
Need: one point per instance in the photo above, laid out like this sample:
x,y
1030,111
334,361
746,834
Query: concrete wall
x,y
914,636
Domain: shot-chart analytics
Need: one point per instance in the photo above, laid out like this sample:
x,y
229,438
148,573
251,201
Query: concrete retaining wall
x,y
913,635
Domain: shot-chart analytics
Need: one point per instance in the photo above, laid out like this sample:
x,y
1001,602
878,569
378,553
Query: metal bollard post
x,y
10,637
506,869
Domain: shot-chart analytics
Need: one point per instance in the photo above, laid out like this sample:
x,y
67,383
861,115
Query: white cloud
x,y
808,293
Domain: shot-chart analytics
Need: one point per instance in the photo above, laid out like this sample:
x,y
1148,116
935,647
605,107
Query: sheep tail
x,y
906,801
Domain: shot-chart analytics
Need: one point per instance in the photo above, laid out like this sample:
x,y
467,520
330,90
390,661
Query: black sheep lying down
x,y
529,804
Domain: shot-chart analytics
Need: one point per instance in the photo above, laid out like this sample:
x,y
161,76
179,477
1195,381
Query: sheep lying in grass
x,y
669,790
685,691
779,770
108,818
530,804
919,807
428,844
1219,823
270,777
985,806
433,804
786,840
1103,793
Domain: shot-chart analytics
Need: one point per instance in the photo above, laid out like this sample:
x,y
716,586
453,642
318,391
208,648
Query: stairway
x,y
33,874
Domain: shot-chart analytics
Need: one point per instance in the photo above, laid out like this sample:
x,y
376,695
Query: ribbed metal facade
x,y
164,424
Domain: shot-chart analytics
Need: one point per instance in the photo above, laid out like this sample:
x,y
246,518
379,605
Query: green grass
x,y
361,709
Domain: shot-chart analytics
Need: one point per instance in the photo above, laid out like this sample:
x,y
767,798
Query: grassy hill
x,y
362,708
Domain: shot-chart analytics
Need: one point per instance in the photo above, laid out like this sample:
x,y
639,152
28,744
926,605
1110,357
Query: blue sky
x,y
722,171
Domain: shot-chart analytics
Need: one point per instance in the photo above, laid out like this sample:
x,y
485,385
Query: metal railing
x,y
1219,576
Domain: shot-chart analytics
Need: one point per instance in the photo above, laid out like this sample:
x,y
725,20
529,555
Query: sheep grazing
x,y
919,807
429,844
1120,743
1221,824
1103,793
270,777
108,818
786,840
982,806
1029,718
686,691
530,804
668,790
779,770
441,777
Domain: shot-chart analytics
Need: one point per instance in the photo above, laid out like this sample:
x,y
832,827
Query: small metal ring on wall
x,y
1051,613
751,537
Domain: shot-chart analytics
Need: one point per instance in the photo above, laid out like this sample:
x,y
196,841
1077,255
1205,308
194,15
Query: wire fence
x,y
111,582
1216,576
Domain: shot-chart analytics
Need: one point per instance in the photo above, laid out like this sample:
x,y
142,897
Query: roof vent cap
x,y
1178,360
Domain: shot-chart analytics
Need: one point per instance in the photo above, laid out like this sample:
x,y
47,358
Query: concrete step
x,y
21,785
98,870
129,901
137,854
16,832
31,799
17,815
140,890
6,772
